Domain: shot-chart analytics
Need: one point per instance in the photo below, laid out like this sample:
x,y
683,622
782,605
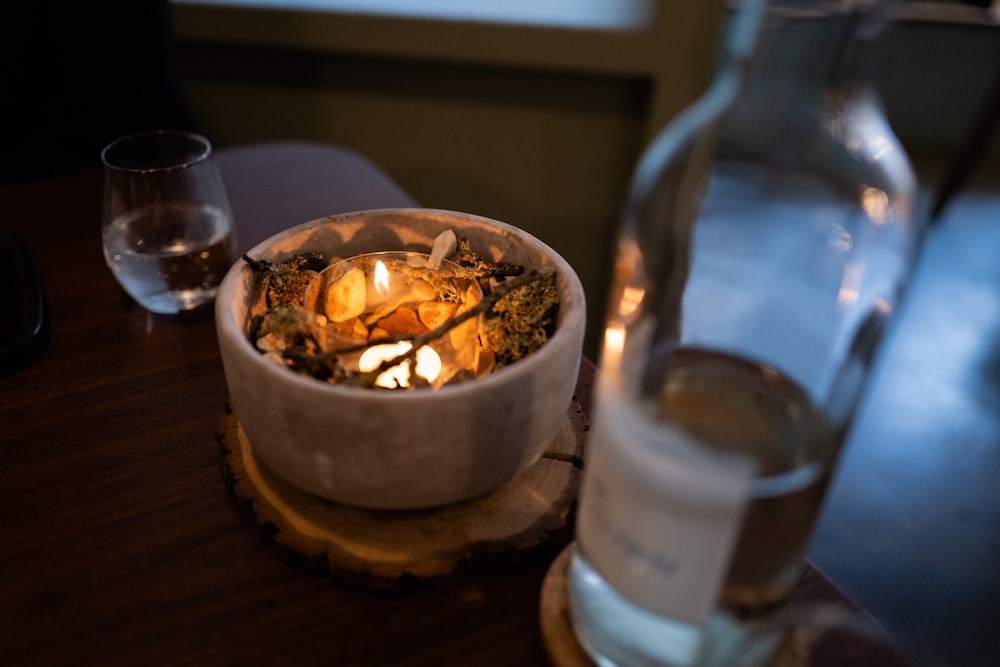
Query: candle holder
x,y
399,449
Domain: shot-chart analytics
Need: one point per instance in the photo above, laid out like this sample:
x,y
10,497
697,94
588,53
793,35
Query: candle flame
x,y
614,344
381,279
428,364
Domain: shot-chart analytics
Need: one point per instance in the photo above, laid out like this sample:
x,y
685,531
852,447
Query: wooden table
x,y
118,542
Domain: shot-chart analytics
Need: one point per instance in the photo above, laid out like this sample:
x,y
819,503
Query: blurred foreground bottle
x,y
766,240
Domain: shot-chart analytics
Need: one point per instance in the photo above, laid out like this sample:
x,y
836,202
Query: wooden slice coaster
x,y
557,626
827,629
378,549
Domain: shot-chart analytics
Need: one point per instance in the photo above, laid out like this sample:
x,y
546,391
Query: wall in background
x,y
536,126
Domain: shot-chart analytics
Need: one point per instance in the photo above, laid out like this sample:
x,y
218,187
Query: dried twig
x,y
418,341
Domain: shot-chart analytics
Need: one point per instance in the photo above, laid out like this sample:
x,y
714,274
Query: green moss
x,y
523,320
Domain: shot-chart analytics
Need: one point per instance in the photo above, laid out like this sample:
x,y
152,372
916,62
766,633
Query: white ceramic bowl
x,y
400,449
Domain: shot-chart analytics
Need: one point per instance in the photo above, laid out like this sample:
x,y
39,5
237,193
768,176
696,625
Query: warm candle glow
x,y
428,364
614,343
376,298
381,279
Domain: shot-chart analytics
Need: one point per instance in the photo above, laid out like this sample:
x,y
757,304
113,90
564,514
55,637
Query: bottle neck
x,y
797,83
808,50
808,100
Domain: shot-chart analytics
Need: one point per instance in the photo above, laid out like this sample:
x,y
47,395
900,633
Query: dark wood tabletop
x,y
118,541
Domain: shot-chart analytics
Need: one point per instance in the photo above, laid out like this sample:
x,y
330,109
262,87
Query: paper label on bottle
x,y
659,517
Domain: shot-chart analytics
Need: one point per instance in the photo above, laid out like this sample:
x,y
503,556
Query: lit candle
x,y
428,364
396,296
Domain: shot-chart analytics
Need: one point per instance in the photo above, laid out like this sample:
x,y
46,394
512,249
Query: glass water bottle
x,y
765,243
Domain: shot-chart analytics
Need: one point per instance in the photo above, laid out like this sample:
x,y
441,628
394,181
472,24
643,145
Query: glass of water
x,y
167,225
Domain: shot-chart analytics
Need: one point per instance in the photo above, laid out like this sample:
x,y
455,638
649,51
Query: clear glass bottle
x,y
765,243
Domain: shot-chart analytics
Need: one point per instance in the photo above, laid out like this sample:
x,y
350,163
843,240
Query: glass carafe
x,y
765,244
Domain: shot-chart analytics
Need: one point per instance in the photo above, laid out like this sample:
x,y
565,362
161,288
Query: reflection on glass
x,y
876,205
